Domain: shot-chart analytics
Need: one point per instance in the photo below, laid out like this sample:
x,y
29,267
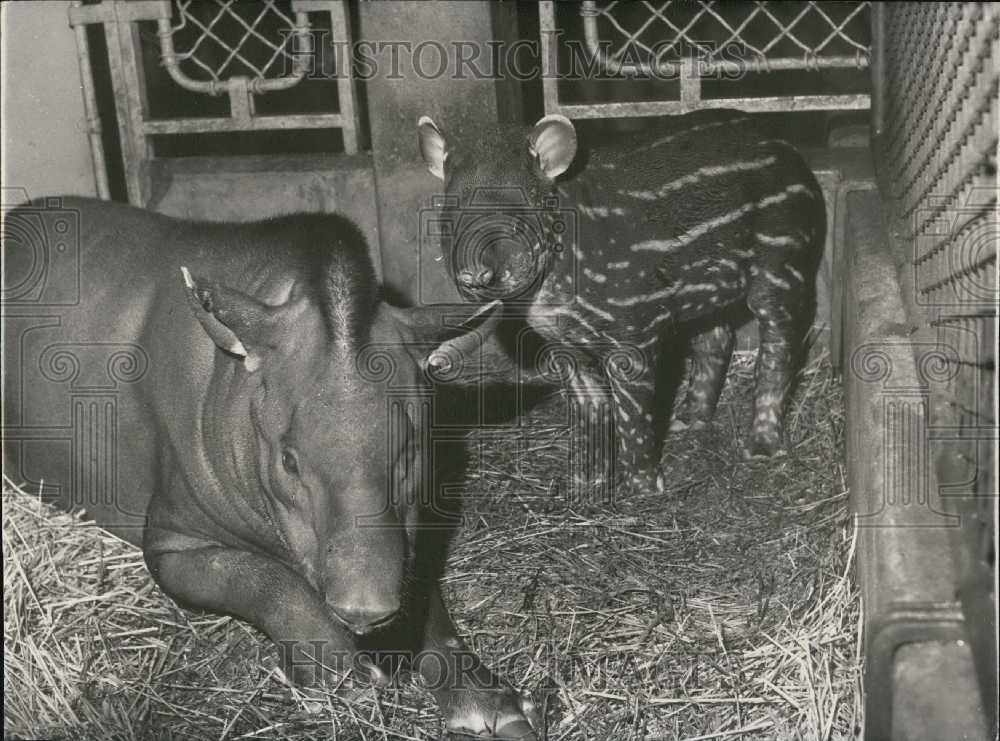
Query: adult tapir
x,y
612,258
239,400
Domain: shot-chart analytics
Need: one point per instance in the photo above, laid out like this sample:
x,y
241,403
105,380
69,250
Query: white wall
x,y
45,146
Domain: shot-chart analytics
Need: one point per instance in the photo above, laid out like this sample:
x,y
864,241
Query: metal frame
x,y
120,18
934,126
690,72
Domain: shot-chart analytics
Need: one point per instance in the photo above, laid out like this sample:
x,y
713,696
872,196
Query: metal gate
x,y
935,127
694,44
240,50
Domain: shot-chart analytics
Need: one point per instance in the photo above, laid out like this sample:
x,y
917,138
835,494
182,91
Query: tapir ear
x,y
472,333
552,142
433,147
237,323
454,344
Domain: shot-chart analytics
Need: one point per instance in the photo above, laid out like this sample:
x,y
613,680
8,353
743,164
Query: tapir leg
x,y
593,432
264,593
777,313
615,437
711,352
639,438
473,699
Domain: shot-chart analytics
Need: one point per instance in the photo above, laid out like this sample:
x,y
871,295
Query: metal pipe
x,y
750,105
257,123
171,62
878,69
94,128
550,55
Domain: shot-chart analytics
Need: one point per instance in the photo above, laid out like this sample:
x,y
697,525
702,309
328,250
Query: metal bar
x,y
240,101
129,99
258,123
550,59
97,155
750,105
118,12
339,19
911,623
706,66
690,85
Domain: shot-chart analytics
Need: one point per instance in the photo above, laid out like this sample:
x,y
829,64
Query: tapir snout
x,y
365,571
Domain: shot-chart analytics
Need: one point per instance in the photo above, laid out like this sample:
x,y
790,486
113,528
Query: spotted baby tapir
x,y
652,239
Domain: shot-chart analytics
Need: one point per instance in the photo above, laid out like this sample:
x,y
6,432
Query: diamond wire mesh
x,y
754,35
937,154
224,38
936,158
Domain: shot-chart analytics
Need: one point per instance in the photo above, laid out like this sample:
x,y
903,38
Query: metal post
x,y
97,154
878,69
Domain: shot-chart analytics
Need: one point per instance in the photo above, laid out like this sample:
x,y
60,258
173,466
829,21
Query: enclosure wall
x,y
46,151
935,146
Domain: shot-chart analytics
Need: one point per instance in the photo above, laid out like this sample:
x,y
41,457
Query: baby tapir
x,y
655,236
240,401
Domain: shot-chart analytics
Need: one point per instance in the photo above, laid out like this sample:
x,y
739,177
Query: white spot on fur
x,y
695,288
595,212
669,245
701,173
698,127
775,280
582,303
776,241
643,297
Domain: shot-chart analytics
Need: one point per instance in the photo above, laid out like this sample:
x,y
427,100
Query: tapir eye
x,y
289,463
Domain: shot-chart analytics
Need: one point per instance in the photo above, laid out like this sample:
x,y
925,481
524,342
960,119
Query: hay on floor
x,y
722,609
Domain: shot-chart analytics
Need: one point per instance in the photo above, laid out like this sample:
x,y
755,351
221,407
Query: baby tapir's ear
x,y
473,332
433,147
444,348
237,323
552,143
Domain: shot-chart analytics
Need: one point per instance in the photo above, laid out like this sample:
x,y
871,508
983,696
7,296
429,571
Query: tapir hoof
x,y
642,481
680,425
507,717
518,729
762,449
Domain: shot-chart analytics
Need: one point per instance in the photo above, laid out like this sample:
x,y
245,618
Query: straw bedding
x,y
724,609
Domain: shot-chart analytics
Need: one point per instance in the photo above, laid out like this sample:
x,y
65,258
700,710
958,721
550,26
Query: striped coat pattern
x,y
682,234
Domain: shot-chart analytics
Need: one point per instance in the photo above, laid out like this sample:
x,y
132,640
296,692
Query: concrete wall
x,y
45,146
396,99
250,188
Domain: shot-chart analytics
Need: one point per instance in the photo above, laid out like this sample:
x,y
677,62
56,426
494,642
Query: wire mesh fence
x,y
762,36
218,78
681,56
936,116
205,44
